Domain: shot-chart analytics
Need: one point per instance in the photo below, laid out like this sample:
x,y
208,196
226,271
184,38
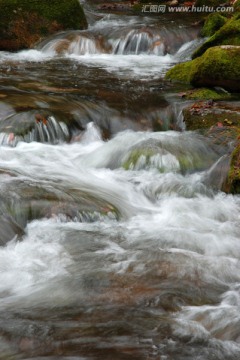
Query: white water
x,y
204,228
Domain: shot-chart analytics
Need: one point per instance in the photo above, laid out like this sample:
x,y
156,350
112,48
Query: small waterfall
x,y
186,50
40,129
123,41
77,43
138,42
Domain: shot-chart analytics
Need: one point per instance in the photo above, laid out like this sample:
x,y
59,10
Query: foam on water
x,y
25,55
28,265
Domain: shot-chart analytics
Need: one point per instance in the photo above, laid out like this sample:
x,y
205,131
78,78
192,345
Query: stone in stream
x,y
32,125
171,155
220,123
227,34
218,66
26,201
9,229
232,184
23,22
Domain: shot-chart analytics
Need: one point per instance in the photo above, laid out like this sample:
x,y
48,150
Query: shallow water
x,y
116,241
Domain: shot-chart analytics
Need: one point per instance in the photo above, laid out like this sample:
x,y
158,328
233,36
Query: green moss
x,y
23,22
213,23
135,155
228,34
180,72
219,66
191,162
206,94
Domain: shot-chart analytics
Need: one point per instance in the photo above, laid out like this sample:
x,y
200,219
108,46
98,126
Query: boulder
x,y
25,22
218,66
228,34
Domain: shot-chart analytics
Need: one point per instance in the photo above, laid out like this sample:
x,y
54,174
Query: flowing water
x,y
116,241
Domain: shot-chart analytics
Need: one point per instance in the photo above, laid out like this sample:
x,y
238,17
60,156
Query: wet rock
x,y
32,125
220,123
205,114
23,22
170,156
27,201
232,184
9,229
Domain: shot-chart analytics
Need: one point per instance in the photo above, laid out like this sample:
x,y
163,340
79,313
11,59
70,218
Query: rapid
x,y
116,239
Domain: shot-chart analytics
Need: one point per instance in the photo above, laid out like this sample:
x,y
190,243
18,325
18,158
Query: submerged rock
x,y
23,23
32,125
170,155
218,66
23,201
9,229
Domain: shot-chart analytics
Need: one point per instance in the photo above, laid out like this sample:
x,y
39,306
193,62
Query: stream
x,y
116,240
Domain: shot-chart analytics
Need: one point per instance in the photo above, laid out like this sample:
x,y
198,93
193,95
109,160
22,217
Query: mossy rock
x,y
228,34
168,157
180,72
218,66
206,94
25,22
213,23
201,116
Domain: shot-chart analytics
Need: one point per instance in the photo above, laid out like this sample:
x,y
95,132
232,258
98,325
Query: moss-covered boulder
x,y
213,23
228,34
218,66
25,22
